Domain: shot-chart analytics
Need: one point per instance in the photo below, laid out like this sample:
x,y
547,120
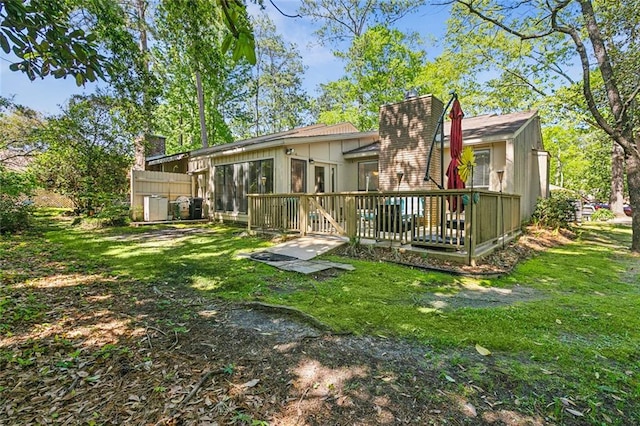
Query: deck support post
x,y
351,216
304,214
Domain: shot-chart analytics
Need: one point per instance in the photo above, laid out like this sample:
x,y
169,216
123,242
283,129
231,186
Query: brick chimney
x,y
406,131
147,146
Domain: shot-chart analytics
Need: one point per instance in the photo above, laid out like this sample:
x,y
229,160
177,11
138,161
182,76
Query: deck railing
x,y
450,219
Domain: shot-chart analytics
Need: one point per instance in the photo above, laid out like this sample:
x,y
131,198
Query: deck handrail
x,y
471,218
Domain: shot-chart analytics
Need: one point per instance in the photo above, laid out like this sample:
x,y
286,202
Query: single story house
x,y
509,153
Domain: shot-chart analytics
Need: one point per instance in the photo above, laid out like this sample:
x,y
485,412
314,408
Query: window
x,y
319,178
368,176
482,169
298,175
232,183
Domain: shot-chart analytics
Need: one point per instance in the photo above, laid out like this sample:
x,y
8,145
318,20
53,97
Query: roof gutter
x,y
297,140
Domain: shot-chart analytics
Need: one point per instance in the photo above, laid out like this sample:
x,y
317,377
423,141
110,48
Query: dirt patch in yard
x,y
475,296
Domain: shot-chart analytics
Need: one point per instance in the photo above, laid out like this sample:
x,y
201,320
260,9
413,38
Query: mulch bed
x,y
499,262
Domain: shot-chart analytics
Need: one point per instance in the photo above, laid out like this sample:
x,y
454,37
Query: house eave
x,y
360,155
282,141
152,161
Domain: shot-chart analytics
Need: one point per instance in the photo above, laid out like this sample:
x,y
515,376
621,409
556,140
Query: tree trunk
x,y
140,143
633,181
203,124
616,199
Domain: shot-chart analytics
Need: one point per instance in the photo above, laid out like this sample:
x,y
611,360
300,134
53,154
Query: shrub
x,y
557,211
15,207
114,214
603,215
15,214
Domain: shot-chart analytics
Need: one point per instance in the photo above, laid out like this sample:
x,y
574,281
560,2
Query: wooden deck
x,y
481,221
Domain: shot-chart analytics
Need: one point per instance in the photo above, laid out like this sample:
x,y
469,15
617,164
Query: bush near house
x,y
557,211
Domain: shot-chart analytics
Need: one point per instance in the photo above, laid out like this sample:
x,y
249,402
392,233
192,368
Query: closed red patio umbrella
x,y
455,145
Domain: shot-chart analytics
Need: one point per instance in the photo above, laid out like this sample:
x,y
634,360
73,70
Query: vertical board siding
x,y
163,184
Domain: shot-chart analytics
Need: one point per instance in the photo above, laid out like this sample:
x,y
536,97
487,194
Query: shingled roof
x,y
315,130
492,127
482,128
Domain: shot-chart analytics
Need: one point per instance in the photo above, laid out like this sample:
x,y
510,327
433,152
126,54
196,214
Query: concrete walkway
x,y
297,254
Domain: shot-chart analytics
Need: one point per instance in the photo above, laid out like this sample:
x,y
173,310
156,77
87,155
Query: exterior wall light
x,y
500,174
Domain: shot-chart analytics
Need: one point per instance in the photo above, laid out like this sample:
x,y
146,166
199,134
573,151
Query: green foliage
x,y
520,74
88,153
188,46
275,100
113,213
229,369
19,127
599,36
557,211
48,38
123,31
15,207
362,16
580,155
381,65
239,40
603,215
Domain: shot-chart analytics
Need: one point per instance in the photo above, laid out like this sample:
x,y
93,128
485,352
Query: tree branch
x,y
497,23
297,15
586,77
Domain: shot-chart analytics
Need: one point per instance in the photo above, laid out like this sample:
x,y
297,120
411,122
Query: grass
x,y
579,337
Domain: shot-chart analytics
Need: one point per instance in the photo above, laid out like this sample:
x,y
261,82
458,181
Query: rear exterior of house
x,y
338,158
305,160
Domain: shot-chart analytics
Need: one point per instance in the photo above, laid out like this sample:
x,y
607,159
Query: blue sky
x,y
47,94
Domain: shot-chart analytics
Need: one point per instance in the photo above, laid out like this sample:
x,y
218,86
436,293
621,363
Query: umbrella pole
x,y
439,130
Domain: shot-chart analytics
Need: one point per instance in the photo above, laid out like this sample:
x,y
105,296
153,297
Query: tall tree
x,y
276,99
122,29
380,67
191,50
347,19
19,127
602,37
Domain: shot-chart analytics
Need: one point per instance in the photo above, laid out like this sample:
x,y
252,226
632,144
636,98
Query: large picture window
x,y
481,172
232,183
368,176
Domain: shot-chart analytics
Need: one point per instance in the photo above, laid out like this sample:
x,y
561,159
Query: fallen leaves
x,y
482,350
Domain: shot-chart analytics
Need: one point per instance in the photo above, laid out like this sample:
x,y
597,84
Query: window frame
x,y
485,180
234,181
362,178
303,168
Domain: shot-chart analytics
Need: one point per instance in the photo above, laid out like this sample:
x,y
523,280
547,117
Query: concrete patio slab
x,y
297,255
309,246
309,266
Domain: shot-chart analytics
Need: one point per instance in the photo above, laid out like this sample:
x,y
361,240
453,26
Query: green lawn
x,y
578,336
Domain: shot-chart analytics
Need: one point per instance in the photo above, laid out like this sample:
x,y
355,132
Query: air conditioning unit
x,y
155,208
